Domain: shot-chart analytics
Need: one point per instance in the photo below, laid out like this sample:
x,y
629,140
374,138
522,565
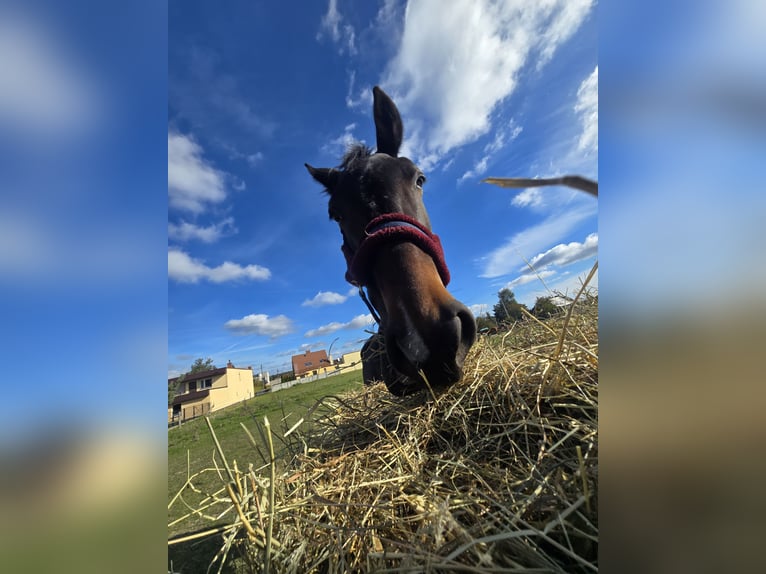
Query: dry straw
x,y
498,474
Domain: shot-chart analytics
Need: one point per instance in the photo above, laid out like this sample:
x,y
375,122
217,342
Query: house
x,y
349,361
311,363
208,391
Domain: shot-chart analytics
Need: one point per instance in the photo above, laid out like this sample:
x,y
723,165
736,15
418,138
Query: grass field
x,y
497,473
191,447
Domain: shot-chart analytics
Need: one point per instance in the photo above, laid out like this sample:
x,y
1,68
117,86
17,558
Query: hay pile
x,y
498,474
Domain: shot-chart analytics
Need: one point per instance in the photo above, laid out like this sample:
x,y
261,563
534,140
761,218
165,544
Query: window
x,y
206,384
307,364
192,386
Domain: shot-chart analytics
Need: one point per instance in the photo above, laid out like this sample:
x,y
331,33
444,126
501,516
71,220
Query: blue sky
x,y
255,89
84,94
83,212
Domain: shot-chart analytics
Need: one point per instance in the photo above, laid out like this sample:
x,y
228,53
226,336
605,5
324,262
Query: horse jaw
x,y
426,329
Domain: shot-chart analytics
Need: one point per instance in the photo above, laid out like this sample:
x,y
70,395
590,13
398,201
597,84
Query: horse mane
x,y
355,153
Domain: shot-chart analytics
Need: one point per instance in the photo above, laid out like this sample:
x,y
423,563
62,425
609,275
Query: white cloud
x,y
530,197
185,231
454,66
528,278
211,100
535,239
340,144
185,269
511,133
587,108
479,309
562,18
478,169
502,136
261,325
331,20
325,298
574,147
44,88
387,15
192,181
358,322
234,153
364,94
342,34
567,284
560,255
254,159
566,253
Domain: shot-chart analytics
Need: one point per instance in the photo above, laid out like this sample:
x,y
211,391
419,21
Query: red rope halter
x,y
387,228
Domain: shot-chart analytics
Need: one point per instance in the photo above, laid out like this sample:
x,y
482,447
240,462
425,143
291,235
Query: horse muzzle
x,y
436,353
426,332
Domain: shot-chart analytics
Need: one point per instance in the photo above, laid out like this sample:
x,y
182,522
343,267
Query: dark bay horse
x,y
377,200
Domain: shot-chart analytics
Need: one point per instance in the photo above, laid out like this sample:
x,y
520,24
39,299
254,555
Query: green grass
x,y
283,408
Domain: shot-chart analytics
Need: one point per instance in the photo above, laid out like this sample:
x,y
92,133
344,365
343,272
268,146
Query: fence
x,y
301,380
189,413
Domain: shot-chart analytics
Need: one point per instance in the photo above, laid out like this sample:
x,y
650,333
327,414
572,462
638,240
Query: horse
x,y
376,198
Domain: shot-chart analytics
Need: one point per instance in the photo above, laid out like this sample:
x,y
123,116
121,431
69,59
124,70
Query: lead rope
x,y
369,305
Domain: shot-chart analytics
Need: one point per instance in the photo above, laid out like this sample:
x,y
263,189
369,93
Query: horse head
x,y
377,200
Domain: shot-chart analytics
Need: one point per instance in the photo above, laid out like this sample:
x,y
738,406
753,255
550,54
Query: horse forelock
x,y
355,154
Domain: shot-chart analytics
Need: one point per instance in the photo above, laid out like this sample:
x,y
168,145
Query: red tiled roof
x,y
316,360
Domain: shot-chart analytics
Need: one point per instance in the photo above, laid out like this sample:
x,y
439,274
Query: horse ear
x,y
388,123
327,176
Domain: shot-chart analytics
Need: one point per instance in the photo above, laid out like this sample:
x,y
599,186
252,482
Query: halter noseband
x,y
389,228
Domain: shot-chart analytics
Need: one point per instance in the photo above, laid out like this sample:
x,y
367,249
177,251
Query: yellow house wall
x,y
233,387
349,359
351,362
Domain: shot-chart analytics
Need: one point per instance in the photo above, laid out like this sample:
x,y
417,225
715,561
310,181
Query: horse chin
x,y
439,363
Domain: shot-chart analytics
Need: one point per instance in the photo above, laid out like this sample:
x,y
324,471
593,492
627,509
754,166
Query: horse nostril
x,y
467,327
438,348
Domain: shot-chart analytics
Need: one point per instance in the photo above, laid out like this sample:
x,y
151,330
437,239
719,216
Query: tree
x,y
544,307
485,322
507,309
198,366
173,388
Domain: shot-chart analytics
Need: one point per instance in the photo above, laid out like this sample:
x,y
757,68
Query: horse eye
x,y
420,180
